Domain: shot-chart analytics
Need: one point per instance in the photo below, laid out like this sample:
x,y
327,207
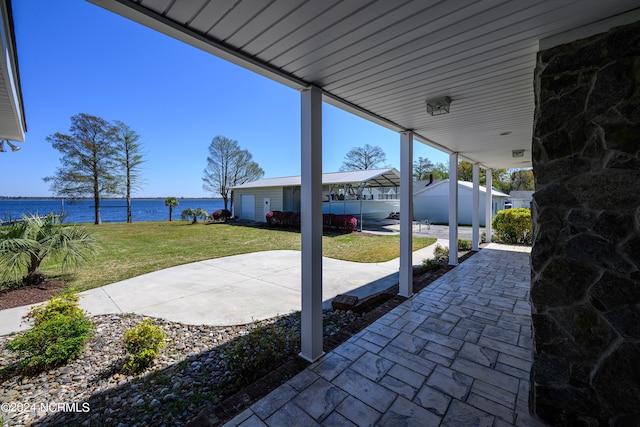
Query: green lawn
x,y
129,250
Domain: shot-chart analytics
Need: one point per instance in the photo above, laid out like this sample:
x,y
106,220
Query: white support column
x,y
406,214
311,223
488,199
453,209
475,214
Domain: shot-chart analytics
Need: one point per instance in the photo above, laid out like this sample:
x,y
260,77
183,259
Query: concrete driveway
x,y
229,291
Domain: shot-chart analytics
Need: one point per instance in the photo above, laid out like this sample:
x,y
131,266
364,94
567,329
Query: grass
x,y
129,250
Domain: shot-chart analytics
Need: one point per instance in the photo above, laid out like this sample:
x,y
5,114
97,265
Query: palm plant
x,y
172,202
195,214
25,244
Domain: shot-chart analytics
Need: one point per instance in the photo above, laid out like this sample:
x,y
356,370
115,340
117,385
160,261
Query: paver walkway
x,y
456,354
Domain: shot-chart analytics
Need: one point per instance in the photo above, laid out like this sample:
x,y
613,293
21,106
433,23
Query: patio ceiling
x,y
383,59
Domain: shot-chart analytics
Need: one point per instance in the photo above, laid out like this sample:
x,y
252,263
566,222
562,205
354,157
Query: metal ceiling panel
x,y
383,59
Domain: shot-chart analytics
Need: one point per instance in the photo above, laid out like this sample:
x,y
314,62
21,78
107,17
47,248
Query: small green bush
x,y
142,345
464,245
60,333
513,226
261,350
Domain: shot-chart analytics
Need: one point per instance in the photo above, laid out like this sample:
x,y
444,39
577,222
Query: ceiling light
x,y
517,153
438,106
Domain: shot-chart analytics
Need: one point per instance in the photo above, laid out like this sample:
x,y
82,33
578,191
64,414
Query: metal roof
x,y
388,177
461,184
12,121
383,59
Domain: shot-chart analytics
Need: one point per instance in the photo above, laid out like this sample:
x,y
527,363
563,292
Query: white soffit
x,y
383,59
12,123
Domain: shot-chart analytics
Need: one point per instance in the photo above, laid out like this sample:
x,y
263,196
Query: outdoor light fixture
x,y
13,147
438,106
517,153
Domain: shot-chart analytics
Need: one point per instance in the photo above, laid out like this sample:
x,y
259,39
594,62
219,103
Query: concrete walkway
x,y
229,291
456,354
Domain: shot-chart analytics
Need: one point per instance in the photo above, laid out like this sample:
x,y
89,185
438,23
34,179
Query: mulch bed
x,y
30,294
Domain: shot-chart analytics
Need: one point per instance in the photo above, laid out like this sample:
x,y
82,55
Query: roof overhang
x,y
12,121
384,60
388,177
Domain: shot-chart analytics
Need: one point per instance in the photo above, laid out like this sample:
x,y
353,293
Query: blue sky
x,y
75,57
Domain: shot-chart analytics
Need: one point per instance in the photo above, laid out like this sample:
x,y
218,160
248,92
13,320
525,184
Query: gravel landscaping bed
x,y
190,373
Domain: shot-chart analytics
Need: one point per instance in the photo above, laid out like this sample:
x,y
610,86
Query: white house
x,y
521,199
372,193
431,202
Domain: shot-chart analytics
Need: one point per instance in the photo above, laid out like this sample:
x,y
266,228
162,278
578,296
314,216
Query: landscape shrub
x,y
142,344
220,215
345,223
464,245
260,351
328,220
513,226
271,218
59,334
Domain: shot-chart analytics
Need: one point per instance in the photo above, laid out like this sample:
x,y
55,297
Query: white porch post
x,y
453,209
488,198
475,214
311,223
406,214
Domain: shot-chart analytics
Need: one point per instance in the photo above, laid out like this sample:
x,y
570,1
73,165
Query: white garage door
x,y
248,207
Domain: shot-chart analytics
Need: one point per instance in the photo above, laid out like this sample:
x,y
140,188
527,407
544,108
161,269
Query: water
x,y
110,210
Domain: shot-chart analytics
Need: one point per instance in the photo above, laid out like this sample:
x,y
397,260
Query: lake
x,y
111,210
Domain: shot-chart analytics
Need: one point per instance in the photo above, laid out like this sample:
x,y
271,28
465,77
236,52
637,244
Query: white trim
x,y
406,214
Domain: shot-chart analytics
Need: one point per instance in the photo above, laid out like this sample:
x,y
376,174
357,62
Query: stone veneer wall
x,y
586,254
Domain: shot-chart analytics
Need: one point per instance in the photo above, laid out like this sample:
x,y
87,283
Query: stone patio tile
x,y
358,412
484,318
273,401
330,366
509,326
397,386
433,400
367,345
522,307
409,376
488,375
338,420
471,325
440,349
460,414
376,339
366,390
429,335
525,341
452,383
477,354
516,362
502,347
372,366
524,419
435,358
500,334
384,330
252,421
408,342
409,327
320,399
241,417
414,316
408,360
290,415
403,412
494,393
437,325
349,350
514,372
389,318
484,404
303,380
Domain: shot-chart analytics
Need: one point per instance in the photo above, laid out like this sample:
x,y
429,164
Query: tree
x,y
195,214
499,177
129,157
522,180
88,161
422,168
363,158
25,244
441,171
172,202
228,166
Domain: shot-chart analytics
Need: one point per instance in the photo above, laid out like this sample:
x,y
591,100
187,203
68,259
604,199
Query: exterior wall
x,y
586,253
274,193
434,205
